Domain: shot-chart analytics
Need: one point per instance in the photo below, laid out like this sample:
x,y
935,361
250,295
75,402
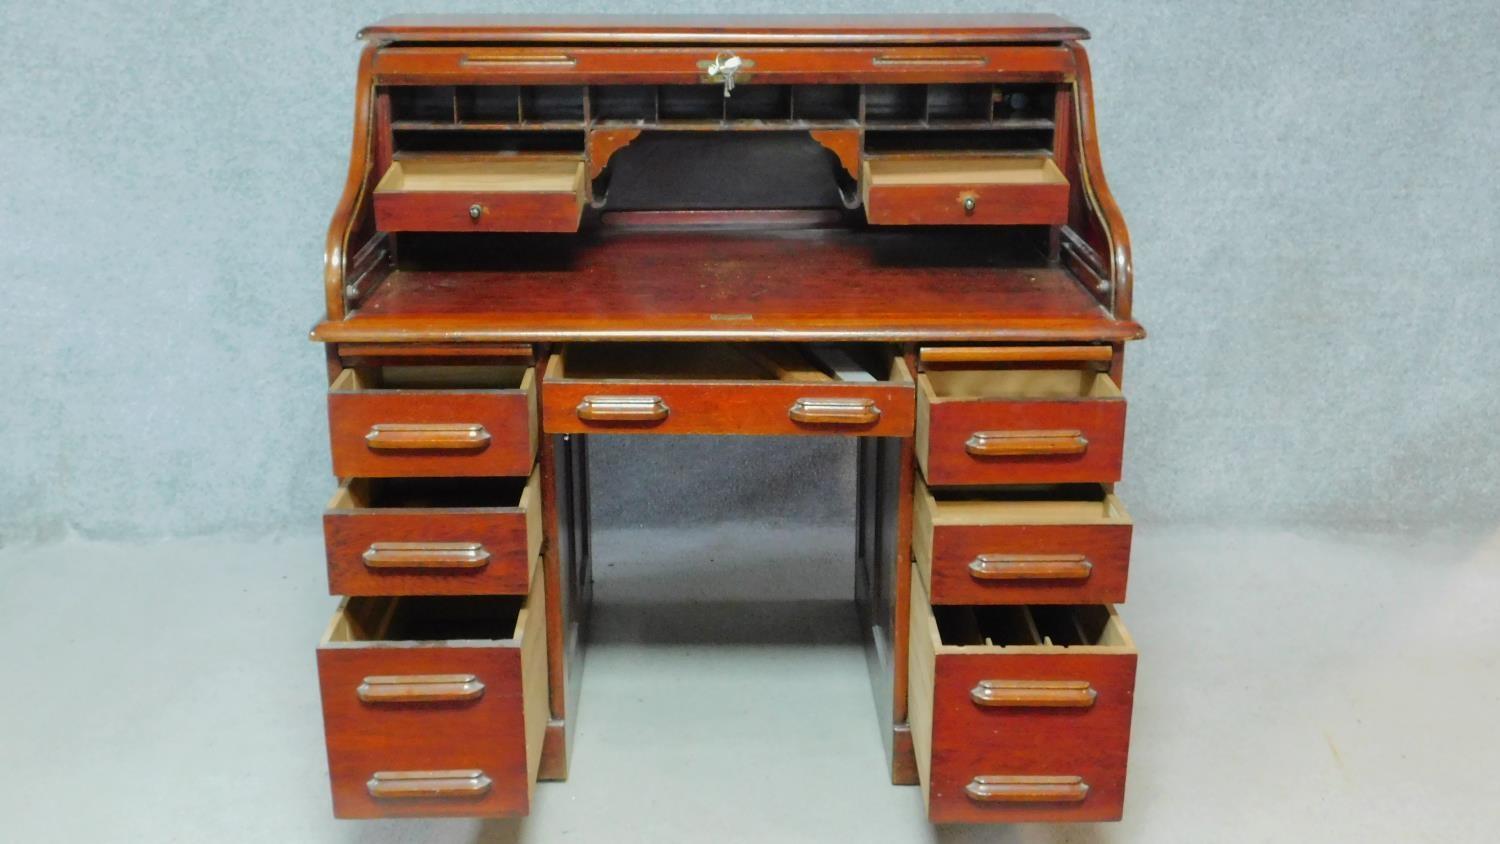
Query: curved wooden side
x,y
1106,213
353,203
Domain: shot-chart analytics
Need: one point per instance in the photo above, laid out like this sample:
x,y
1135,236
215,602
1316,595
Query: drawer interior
x,y
1031,628
916,171
1018,384
426,493
441,174
786,362
1060,504
394,620
432,377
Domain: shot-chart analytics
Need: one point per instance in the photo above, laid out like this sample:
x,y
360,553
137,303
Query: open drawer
x,y
433,536
476,193
435,706
988,190
432,421
723,388
1019,426
1020,545
1019,713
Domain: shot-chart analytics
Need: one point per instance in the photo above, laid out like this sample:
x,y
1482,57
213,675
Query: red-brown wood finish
x,y
944,205
497,212
1106,548
506,417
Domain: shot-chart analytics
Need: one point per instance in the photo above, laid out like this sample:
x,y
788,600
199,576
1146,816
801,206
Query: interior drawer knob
x,y
426,555
475,211
1051,694
835,411
1030,567
408,785
1025,443
420,688
970,203
622,409
427,437
994,789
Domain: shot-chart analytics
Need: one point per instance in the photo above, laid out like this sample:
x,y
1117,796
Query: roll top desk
x,y
894,229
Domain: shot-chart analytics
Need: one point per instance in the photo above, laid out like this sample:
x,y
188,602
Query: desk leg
x,y
882,587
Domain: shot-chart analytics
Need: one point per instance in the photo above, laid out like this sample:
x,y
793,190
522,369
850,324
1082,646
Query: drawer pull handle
x,y
1030,567
992,789
521,60
1025,443
420,688
1052,694
426,555
406,785
403,437
622,409
834,411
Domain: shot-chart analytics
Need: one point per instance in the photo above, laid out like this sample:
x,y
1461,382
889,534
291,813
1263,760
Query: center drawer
x,y
721,388
432,421
1020,713
433,536
1019,426
435,706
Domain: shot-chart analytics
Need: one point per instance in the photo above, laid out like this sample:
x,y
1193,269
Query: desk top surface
x,y
728,29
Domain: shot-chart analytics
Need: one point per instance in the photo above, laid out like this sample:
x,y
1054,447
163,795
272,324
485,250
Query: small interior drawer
x,y
432,421
1019,426
435,706
1018,545
541,193
1020,713
988,190
727,388
433,536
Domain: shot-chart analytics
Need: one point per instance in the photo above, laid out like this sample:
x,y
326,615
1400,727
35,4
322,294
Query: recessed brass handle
x,y
622,409
1051,694
420,688
514,60
434,437
994,789
925,59
407,785
1025,443
426,555
834,411
1030,567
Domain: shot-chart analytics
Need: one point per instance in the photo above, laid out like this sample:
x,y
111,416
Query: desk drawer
x,y
711,388
433,536
1026,545
964,190
457,194
1033,727
1019,426
432,421
435,706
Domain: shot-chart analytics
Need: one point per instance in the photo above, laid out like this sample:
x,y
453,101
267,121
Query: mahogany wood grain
x,y
505,415
953,356
416,354
960,741
353,204
1102,223
507,542
497,212
604,143
844,144
1026,552
954,191
727,29
709,284
1077,439
496,734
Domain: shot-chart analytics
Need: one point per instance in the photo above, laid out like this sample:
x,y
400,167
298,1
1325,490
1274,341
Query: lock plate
x,y
727,69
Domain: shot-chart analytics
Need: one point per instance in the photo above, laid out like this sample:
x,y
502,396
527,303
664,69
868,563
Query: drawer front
x,y
436,730
997,441
967,204
434,551
1013,735
432,433
477,211
878,409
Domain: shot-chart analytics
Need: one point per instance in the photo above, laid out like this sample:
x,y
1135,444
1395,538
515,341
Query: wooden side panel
x,y
728,408
950,425
534,690
504,414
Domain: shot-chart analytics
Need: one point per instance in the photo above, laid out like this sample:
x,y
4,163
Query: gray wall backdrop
x,y
1311,188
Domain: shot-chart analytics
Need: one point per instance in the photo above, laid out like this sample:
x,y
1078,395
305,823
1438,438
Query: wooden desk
x,y
890,228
